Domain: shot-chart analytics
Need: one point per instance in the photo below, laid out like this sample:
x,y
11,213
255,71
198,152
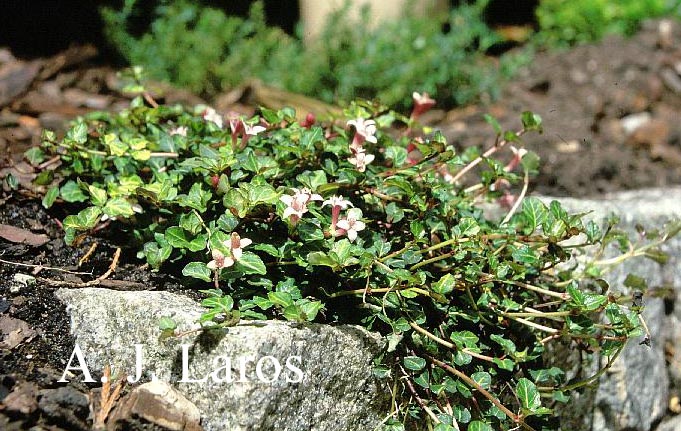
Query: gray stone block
x,y
338,391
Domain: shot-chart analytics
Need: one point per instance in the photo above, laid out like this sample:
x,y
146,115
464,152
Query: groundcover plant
x,y
370,220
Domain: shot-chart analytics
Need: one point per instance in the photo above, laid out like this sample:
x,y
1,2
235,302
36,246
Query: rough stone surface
x,y
671,424
338,391
633,395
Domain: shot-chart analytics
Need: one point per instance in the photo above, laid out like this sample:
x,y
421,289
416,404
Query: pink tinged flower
x,y
446,175
236,126
413,154
253,130
296,204
210,114
422,104
360,160
507,200
337,204
351,224
219,261
518,155
365,130
234,244
181,130
309,120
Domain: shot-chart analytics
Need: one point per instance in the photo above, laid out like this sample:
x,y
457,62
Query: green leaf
x,y
525,255
414,363
97,195
44,178
504,364
310,309
506,344
292,313
341,252
282,299
167,323
535,213
464,339
176,237
593,302
236,201
115,146
71,192
35,156
156,254
320,258
250,263
197,198
312,180
445,284
635,282
267,248
310,137
262,194
12,181
224,304
528,394
262,303
479,426
118,207
483,379
397,154
89,217
576,294
227,222
593,232
191,222
50,197
531,121
394,212
197,270
77,133
467,226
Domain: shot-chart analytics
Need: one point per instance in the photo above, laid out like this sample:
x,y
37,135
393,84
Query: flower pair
x,y
365,131
348,225
233,246
296,206
239,127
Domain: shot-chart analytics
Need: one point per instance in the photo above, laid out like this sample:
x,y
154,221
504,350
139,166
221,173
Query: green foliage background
x,y
203,49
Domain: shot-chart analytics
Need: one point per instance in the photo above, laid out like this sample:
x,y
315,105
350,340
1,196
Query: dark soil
x,y
585,96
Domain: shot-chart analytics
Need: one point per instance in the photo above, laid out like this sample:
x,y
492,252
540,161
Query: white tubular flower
x,y
180,130
253,130
219,261
352,224
361,160
296,204
365,128
518,155
234,244
211,114
337,201
422,103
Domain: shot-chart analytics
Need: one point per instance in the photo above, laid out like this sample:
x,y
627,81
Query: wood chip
x,y
22,236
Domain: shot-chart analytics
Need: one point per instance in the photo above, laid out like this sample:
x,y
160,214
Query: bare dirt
x,y
611,118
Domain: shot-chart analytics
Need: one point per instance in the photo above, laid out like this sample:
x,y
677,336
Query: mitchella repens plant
x,y
365,220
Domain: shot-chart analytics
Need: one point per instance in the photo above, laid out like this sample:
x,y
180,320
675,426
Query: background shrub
x,y
564,23
205,50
